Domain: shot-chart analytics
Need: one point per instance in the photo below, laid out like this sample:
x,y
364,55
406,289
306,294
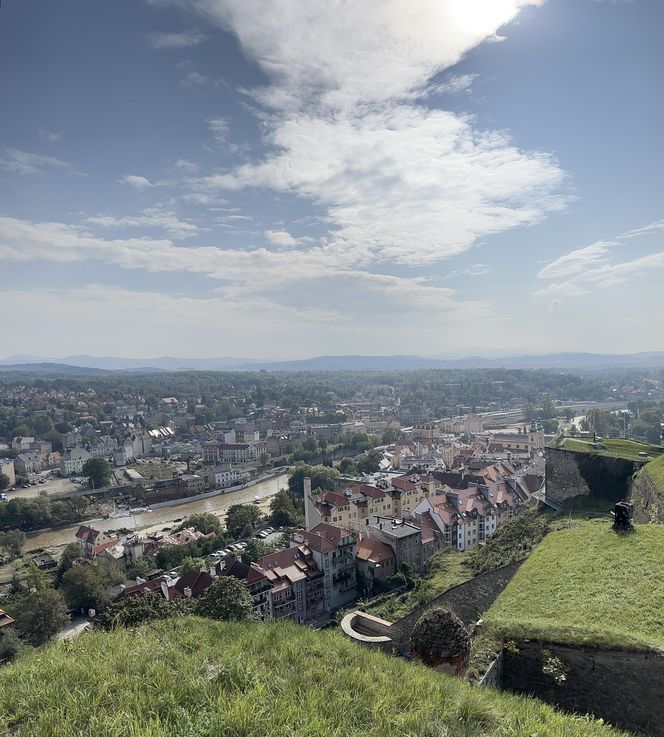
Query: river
x,y
165,516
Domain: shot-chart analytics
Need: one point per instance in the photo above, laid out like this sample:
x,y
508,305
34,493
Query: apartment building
x,y
297,584
334,551
218,453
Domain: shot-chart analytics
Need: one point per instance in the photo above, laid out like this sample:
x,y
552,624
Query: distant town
x,y
311,504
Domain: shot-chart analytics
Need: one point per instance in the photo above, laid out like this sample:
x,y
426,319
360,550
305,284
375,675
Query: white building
x,y
7,468
226,476
74,461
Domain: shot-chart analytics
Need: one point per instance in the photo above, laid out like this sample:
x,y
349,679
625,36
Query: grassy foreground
x,y
588,585
197,678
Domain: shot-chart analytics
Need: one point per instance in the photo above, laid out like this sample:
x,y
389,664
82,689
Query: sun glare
x,y
482,17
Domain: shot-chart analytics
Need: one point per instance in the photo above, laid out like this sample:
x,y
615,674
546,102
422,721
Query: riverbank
x,y
154,521
219,492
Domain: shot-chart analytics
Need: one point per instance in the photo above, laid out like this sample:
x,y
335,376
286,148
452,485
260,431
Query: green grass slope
x,y
655,470
588,585
615,447
196,678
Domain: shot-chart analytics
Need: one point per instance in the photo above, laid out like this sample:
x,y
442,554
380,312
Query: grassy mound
x,y
655,470
588,585
630,450
203,679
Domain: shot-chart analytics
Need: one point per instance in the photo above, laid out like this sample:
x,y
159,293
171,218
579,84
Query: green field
x,y
587,584
196,678
615,447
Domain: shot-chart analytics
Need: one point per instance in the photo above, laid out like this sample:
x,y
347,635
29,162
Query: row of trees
x,y
26,514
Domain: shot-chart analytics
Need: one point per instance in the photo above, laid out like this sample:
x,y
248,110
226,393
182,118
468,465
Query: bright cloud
x,y
401,182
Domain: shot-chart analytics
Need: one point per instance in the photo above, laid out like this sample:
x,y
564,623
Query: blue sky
x,y
287,179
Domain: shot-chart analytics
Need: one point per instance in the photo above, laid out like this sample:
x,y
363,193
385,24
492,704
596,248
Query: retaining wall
x,y
622,686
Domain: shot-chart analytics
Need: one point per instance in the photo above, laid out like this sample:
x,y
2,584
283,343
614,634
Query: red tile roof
x,y
374,551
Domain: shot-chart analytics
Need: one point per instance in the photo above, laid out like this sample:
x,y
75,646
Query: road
x,y
159,518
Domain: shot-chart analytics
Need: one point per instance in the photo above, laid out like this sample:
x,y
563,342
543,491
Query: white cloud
x,y
470,270
137,182
189,167
399,182
453,85
577,261
281,238
176,40
206,199
153,217
344,54
195,80
405,184
576,272
243,275
24,162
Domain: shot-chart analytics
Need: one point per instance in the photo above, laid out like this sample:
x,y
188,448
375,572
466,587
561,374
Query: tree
x,y
133,611
71,552
55,439
83,588
40,615
439,635
369,462
321,477
242,520
204,522
255,550
10,644
347,467
171,555
227,599
4,481
42,425
322,444
283,512
12,542
98,471
191,565
263,459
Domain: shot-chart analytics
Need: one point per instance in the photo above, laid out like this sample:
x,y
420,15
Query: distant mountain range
x,y
93,364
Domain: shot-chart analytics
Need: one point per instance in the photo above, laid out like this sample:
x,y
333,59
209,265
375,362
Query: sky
x,y
288,178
